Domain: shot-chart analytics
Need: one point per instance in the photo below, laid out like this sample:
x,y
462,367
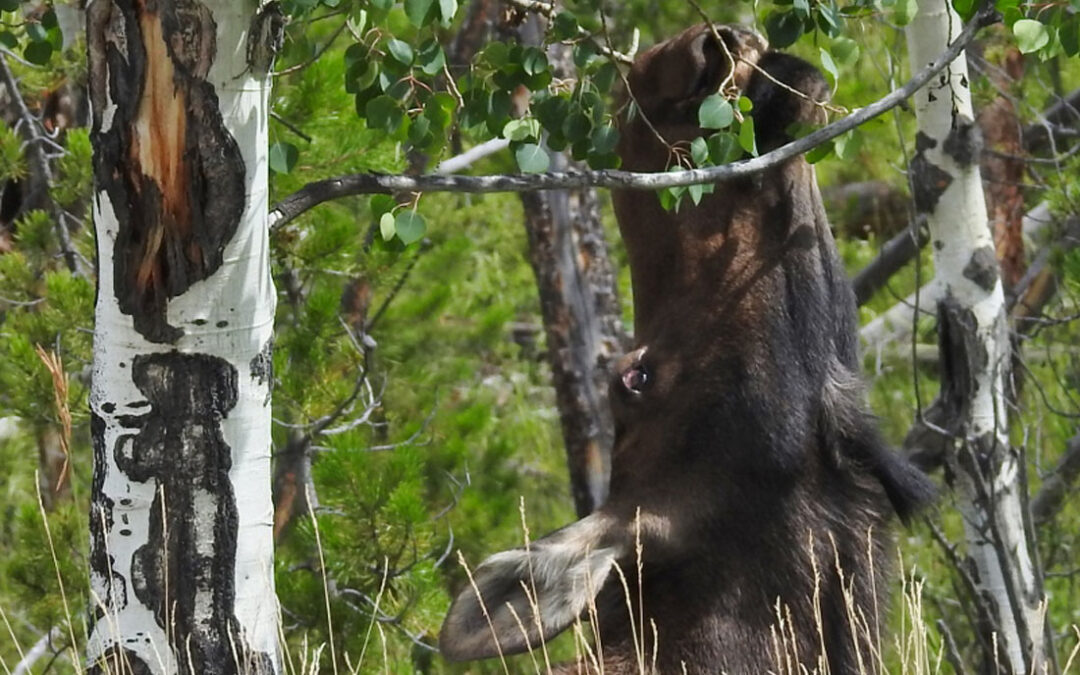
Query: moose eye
x,y
635,378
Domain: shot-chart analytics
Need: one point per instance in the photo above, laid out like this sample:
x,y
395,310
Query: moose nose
x,y
632,372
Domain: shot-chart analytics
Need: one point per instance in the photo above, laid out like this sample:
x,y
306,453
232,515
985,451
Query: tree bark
x,y
1003,167
984,470
583,325
181,516
582,316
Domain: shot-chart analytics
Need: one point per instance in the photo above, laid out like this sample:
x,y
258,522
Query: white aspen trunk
x,y
983,469
181,516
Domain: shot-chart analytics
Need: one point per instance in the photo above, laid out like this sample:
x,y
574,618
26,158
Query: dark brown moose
x,y
746,464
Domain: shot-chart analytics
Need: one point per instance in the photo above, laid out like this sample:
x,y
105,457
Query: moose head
x,y
750,490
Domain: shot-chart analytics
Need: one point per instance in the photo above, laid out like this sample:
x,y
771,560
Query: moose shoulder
x,y
746,464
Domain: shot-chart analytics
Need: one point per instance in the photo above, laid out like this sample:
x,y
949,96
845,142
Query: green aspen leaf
x,y
498,106
584,53
431,57
699,151
447,10
801,6
282,157
8,39
382,4
556,141
828,18
1031,35
577,127
745,104
9,5
386,226
401,51
356,53
847,145
552,112
420,131
564,27
445,102
36,32
534,61
604,161
856,11
439,116
715,113
521,130
667,199
604,139
819,153
38,53
417,11
965,8
783,29
844,51
410,226
497,54
604,78
384,113
747,140
531,158
695,192
828,64
723,148
904,11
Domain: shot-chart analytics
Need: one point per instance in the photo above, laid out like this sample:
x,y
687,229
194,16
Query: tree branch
x,y
318,192
1055,488
40,165
892,257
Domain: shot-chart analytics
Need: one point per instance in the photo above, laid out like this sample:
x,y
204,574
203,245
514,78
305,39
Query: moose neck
x,y
755,587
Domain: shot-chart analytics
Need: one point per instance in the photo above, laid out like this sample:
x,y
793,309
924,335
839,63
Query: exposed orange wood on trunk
x,y
1003,172
157,148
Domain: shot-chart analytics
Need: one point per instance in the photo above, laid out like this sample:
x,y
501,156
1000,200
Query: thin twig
x,y
314,57
289,125
548,10
29,129
316,193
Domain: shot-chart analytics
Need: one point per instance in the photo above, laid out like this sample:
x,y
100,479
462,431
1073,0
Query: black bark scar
x,y
161,251
928,183
189,562
982,268
114,596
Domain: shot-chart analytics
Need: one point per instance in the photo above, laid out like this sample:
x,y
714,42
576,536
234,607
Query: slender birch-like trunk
x,y
181,517
983,469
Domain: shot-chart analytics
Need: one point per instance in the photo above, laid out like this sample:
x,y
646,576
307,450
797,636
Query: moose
x,y
751,492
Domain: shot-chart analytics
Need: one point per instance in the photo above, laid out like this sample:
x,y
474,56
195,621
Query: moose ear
x,y
520,598
692,64
786,92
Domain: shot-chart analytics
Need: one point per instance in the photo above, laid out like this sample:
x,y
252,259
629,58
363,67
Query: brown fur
x,y
742,436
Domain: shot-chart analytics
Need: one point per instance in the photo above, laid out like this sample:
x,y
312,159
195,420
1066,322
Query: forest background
x,y
453,430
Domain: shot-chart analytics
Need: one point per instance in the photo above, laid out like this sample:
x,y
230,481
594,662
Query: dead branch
x,y
1056,486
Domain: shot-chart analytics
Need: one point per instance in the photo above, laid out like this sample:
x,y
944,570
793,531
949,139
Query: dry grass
x,y
911,650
